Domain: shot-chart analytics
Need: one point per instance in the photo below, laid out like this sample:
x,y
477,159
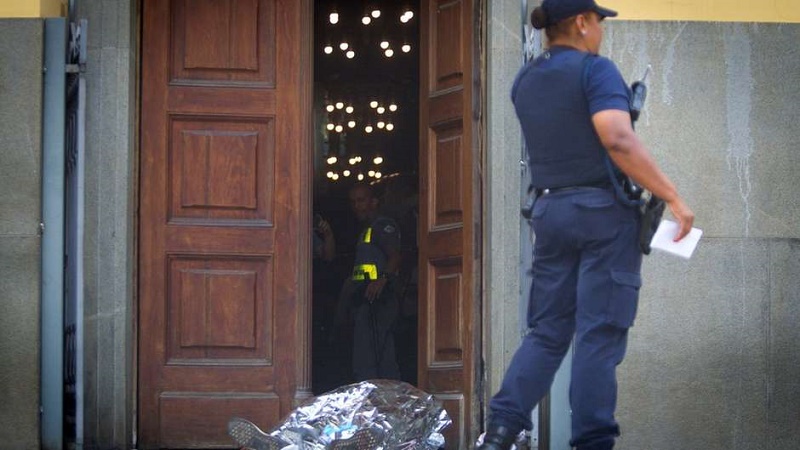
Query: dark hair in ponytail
x,y
538,18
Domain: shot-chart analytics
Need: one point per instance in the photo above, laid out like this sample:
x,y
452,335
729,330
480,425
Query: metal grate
x,y
73,235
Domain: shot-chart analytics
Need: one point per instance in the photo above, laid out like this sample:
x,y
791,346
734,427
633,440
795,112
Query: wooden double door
x,y
224,215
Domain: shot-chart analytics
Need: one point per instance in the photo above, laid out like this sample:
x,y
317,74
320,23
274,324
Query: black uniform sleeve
x,y
386,234
606,88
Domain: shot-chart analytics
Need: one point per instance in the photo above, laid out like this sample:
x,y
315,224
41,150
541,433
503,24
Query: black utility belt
x,y
538,192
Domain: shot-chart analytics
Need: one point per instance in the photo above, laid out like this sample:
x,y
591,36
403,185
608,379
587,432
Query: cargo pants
x,y
586,280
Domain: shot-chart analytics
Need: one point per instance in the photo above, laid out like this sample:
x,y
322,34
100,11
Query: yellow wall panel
x,y
707,10
32,8
53,8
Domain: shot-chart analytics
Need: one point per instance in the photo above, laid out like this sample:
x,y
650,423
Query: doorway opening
x,y
366,131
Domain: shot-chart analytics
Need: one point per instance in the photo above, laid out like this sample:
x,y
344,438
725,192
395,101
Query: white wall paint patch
x,y
739,101
669,63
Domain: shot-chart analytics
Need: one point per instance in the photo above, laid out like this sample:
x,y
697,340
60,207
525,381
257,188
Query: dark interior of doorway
x,y
366,116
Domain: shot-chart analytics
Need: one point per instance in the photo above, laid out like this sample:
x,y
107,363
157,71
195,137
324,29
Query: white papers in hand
x,y
663,239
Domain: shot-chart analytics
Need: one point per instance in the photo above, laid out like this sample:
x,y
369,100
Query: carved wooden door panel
x,y
222,318
450,212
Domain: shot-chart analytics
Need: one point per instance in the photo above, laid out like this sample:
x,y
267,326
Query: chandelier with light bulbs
x,y
371,18
349,37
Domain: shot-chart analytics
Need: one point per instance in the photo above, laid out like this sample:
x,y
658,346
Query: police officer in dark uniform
x,y
574,109
368,296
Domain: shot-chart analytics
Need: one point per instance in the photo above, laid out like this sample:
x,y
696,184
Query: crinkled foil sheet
x,y
400,415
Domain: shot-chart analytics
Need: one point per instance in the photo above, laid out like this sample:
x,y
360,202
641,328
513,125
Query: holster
x,y
651,212
526,210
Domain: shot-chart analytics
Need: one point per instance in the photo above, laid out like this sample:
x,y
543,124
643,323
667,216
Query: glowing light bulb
x,y
384,44
389,127
378,160
350,54
349,110
352,161
406,48
328,49
329,174
343,46
339,105
389,53
332,159
366,20
360,177
330,127
381,110
392,107
351,124
371,173
334,18
368,129
358,158
339,128
378,174
346,173
335,176
376,13
373,104
381,124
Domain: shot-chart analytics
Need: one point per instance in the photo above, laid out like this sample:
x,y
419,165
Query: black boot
x,y
498,438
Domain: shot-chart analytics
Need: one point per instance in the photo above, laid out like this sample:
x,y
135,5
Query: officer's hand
x,y
374,289
683,215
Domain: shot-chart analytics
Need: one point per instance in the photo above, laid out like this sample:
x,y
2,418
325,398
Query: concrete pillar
x,y
109,261
502,239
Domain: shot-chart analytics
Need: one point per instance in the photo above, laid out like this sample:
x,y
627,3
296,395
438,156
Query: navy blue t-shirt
x,y
555,105
384,237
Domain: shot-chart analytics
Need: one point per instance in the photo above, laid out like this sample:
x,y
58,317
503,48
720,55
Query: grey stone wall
x,y
21,50
713,357
110,256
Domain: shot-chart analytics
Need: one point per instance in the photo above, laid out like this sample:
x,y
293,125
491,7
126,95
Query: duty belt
x,y
599,185
363,272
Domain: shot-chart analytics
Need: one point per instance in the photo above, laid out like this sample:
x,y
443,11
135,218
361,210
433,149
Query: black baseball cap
x,y
558,10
